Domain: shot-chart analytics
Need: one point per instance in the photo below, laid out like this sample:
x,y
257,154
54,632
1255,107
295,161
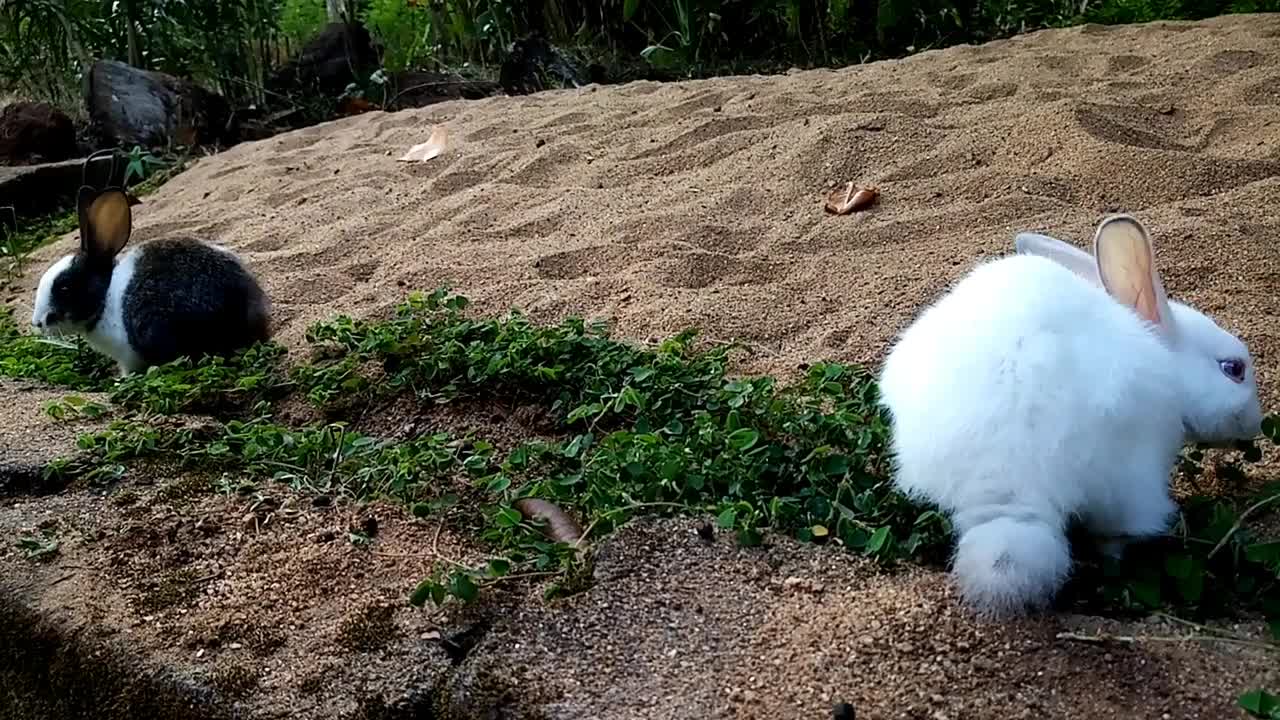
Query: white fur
x,y
109,336
1027,396
44,292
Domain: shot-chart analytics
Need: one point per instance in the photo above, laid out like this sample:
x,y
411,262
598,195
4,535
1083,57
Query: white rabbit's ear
x,y
1065,254
1127,266
105,222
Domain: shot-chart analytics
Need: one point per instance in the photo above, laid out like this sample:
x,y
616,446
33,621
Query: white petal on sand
x,y
433,147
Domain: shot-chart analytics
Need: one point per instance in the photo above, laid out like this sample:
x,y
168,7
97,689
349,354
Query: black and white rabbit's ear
x,y
106,221
1127,265
1065,254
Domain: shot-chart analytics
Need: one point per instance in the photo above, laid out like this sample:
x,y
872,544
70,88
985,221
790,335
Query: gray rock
x,y
38,190
129,106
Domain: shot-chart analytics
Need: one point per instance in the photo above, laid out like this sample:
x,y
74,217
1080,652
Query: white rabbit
x,y
1049,387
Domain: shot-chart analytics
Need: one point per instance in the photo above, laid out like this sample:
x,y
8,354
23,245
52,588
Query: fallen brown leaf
x,y
433,147
851,198
560,527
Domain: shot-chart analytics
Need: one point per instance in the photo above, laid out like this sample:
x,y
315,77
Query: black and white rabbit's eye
x,y
1233,369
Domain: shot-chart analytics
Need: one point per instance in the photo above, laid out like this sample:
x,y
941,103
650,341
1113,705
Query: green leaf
x,y
671,469
1260,703
835,464
498,567
1179,566
462,587
727,518
1267,553
878,540
421,593
444,502
743,438
577,445
1146,590
749,537
1192,586
499,484
508,517
629,8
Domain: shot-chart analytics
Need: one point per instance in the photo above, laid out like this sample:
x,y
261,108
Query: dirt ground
x,y
661,207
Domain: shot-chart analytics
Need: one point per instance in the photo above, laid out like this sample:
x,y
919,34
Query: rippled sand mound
x,y
700,203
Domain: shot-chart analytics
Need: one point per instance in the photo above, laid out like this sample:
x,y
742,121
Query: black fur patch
x,y
79,292
189,299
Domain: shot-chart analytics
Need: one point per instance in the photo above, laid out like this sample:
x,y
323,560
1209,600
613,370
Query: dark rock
x,y
128,107
412,89
533,64
38,190
341,54
33,132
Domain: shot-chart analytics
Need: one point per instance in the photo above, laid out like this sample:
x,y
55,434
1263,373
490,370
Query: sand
x,y
660,207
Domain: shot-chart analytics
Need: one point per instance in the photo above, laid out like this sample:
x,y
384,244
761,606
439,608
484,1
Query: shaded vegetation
x,y
637,430
234,45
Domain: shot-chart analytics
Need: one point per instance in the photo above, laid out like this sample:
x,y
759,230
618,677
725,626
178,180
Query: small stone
x,y
235,646
806,585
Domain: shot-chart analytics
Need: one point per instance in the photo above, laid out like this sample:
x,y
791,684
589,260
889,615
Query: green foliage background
x,y
232,45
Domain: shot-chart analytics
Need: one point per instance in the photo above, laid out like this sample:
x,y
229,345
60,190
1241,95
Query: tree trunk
x,y
131,32
334,9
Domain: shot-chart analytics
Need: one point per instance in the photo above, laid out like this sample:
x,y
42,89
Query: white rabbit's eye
x,y
1233,369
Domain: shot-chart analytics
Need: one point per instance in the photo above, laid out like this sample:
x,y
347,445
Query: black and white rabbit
x,y
154,303
1054,385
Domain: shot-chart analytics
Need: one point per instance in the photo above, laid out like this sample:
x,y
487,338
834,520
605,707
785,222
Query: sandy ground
x,y
700,204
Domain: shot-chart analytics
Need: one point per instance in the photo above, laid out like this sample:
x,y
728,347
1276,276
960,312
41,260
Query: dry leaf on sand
x,y
851,198
433,147
559,526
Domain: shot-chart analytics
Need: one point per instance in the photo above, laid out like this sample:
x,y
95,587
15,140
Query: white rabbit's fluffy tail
x,y
1007,564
